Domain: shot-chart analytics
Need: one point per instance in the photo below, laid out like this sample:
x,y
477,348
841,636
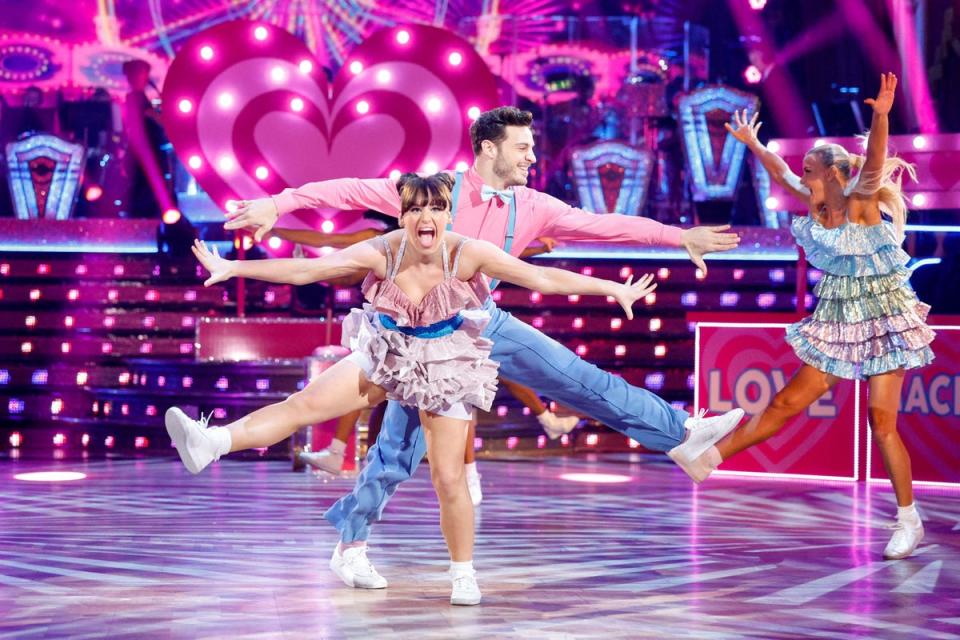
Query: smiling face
x,y
425,210
513,156
821,174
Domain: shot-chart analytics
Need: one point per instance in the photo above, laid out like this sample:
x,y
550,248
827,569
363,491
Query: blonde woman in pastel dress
x,y
868,323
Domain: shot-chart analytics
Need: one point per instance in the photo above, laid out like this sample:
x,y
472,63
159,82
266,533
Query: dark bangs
x,y
431,191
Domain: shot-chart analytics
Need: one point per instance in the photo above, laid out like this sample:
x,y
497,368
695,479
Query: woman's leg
x,y
554,425
804,388
469,455
884,404
526,395
470,466
446,439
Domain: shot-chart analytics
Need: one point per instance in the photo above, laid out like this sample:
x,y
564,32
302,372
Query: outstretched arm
x,y
355,259
343,193
319,239
880,125
489,259
566,223
746,132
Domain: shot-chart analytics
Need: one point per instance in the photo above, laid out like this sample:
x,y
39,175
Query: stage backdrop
x,y
744,364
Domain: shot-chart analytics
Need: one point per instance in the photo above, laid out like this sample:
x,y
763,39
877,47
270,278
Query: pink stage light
x,y
171,216
363,107
274,243
536,296
30,321
581,350
65,347
356,67
296,105
455,58
403,36
109,441
59,439
752,74
578,323
82,377
758,5
206,52
473,113
395,174
620,350
185,106
35,294
16,439
595,478
262,173
616,323
434,104
431,167
771,202
26,347
305,66
141,442
85,439
573,299
663,273
541,441
225,100
587,271
56,406
261,33
919,200
592,439
462,166
773,146
383,76
501,411
660,350
226,163
538,322
50,476
93,193
919,142
512,442
327,226
278,74
650,298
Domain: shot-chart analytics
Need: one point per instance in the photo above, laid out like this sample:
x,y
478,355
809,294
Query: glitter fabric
x,y
868,319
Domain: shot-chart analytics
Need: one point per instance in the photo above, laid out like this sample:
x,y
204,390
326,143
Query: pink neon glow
x,y
595,478
195,162
455,58
261,172
757,5
16,439
919,142
171,216
356,67
473,113
274,243
305,67
185,106
914,72
260,33
431,167
395,174
434,104
59,439
296,104
225,100
615,324
403,36
327,226
363,107
206,52
752,74
278,74
462,166
383,76
50,476
592,439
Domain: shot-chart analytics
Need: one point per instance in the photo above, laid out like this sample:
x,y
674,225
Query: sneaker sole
x,y
173,420
908,553
739,413
307,458
465,602
697,472
352,580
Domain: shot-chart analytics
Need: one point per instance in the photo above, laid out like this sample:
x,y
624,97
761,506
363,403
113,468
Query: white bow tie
x,y
487,192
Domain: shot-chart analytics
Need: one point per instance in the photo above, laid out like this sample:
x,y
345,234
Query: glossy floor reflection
x,y
143,549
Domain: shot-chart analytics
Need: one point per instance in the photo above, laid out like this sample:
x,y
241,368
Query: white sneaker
x,y
466,591
353,567
194,445
326,460
555,426
703,433
906,537
473,486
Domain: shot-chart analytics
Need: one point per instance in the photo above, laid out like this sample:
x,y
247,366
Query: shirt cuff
x,y
285,201
670,237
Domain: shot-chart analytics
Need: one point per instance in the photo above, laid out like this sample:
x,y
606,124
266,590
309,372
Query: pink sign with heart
x,y
250,112
745,365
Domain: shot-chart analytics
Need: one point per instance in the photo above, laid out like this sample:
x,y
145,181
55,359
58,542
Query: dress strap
x,y
446,259
456,256
396,264
388,253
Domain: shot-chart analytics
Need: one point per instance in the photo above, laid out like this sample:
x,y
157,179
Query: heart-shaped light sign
x,y
250,112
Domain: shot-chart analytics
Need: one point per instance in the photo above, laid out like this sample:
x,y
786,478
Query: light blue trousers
x,y
530,358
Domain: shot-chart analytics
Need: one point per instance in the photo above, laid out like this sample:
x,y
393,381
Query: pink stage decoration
x,y
937,157
28,59
612,177
98,65
744,364
44,175
251,112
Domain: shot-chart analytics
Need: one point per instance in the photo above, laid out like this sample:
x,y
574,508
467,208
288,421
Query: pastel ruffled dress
x,y
431,355
868,320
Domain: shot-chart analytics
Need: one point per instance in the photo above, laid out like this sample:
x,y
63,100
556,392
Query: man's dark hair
x,y
492,125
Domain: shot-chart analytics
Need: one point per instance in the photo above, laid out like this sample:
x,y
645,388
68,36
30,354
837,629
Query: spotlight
x,y
260,33
274,243
462,166
93,193
305,67
261,173
171,216
278,74
395,175
752,75
327,226
225,100
206,52
195,162
434,104
431,167
363,107
919,200
403,36
185,106
356,67
296,105
919,142
771,203
773,146
383,76
455,58
758,5
473,113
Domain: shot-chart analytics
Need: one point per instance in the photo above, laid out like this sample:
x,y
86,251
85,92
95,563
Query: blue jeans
x,y
528,357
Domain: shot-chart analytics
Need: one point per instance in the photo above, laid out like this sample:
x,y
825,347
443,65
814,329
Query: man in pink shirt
x,y
491,202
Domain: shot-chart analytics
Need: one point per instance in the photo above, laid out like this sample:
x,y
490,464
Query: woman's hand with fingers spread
x,y
745,130
220,268
884,100
629,292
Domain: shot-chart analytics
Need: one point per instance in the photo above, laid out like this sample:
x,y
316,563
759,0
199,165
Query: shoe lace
x,y
203,420
700,415
463,581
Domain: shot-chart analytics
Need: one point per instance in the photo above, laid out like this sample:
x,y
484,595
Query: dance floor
x,y
142,549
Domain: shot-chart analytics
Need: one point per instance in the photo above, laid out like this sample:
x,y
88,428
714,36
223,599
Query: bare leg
x,y
346,423
341,389
446,439
469,455
526,395
884,403
804,388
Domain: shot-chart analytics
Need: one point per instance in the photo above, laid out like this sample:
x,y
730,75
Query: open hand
x,y
629,292
702,240
220,268
746,130
260,214
884,100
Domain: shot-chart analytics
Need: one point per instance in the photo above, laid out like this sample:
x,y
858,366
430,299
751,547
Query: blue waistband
x,y
435,330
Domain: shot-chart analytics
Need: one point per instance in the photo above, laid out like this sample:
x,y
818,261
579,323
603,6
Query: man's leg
x,y
391,460
536,360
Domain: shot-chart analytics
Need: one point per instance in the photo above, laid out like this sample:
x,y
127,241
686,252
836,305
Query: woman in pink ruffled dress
x,y
418,341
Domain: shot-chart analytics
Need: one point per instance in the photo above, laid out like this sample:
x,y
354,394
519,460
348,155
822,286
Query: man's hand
x,y
702,240
548,243
260,214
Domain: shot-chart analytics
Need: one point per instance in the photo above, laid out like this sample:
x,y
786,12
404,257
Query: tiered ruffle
x,y
429,373
850,249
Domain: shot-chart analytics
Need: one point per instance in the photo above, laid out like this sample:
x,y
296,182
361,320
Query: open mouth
x,y
427,236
